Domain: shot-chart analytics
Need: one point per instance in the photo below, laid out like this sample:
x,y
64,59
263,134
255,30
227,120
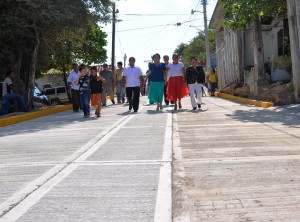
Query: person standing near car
x,y
96,90
9,93
132,75
75,93
108,87
119,83
85,90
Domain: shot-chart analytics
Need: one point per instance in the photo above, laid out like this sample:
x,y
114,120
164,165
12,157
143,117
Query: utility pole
x,y
113,37
204,2
125,57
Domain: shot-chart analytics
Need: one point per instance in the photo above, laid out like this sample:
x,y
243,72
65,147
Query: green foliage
x,y
196,48
92,50
38,34
238,13
58,26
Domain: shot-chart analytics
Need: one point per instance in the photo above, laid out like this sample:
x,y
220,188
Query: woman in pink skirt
x,y
177,88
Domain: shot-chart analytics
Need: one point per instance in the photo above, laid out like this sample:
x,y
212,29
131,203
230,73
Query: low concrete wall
x,y
244,100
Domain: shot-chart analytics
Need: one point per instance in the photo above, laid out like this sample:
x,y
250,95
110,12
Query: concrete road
x,y
236,162
65,167
229,162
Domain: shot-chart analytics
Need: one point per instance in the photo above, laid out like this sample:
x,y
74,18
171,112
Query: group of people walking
x,y
92,89
168,81
174,82
86,89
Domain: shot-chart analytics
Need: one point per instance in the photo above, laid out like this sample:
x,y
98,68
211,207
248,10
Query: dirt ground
x,y
279,93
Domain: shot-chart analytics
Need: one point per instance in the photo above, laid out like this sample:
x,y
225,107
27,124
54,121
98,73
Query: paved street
x,y
235,162
68,168
231,162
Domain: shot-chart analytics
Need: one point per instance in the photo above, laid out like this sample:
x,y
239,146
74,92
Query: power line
x,y
155,26
120,43
154,14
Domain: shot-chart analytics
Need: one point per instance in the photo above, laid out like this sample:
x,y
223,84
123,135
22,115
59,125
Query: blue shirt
x,y
157,72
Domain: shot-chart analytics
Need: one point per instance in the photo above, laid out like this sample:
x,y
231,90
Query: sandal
x,y
97,114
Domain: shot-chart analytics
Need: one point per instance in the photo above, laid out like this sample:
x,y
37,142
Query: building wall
x,y
270,46
249,57
54,80
228,57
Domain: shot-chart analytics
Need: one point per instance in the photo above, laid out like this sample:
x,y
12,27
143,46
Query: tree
x,y
28,26
295,54
196,48
92,48
67,48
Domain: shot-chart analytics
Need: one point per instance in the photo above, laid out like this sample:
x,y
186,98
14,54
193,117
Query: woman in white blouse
x,y
176,89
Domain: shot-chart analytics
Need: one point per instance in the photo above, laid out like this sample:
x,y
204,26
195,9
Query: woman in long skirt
x,y
157,78
176,89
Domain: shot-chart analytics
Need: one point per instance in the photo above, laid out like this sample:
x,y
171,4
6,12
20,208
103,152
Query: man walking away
x,y
108,87
133,77
75,93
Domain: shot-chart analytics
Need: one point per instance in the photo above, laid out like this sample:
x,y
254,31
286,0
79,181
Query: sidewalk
x,y
234,162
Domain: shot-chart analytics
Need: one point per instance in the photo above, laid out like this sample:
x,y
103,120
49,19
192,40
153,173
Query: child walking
x,y
85,91
96,90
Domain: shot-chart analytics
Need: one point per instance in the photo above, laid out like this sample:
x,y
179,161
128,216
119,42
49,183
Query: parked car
x,y
57,95
47,85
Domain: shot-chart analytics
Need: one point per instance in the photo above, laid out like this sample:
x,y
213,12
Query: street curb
x,y
33,115
244,100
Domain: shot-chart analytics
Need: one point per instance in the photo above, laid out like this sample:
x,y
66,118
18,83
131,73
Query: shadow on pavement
x,y
46,122
288,115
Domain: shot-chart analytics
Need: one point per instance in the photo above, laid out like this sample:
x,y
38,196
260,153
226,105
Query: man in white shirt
x,y
9,93
75,93
132,75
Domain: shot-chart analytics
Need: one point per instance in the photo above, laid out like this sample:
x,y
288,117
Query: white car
x,y
57,95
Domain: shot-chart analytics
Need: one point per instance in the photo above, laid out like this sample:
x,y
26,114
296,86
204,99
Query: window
x,y
61,89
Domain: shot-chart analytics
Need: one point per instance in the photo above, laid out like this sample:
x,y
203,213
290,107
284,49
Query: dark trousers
x,y
213,86
9,97
75,99
133,96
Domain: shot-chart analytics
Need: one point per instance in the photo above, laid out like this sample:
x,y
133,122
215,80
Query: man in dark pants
x,y
132,75
75,93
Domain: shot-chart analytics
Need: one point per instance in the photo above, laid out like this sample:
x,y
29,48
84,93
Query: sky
x,y
149,26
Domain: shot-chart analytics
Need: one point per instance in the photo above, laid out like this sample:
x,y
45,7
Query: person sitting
x,y
9,93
